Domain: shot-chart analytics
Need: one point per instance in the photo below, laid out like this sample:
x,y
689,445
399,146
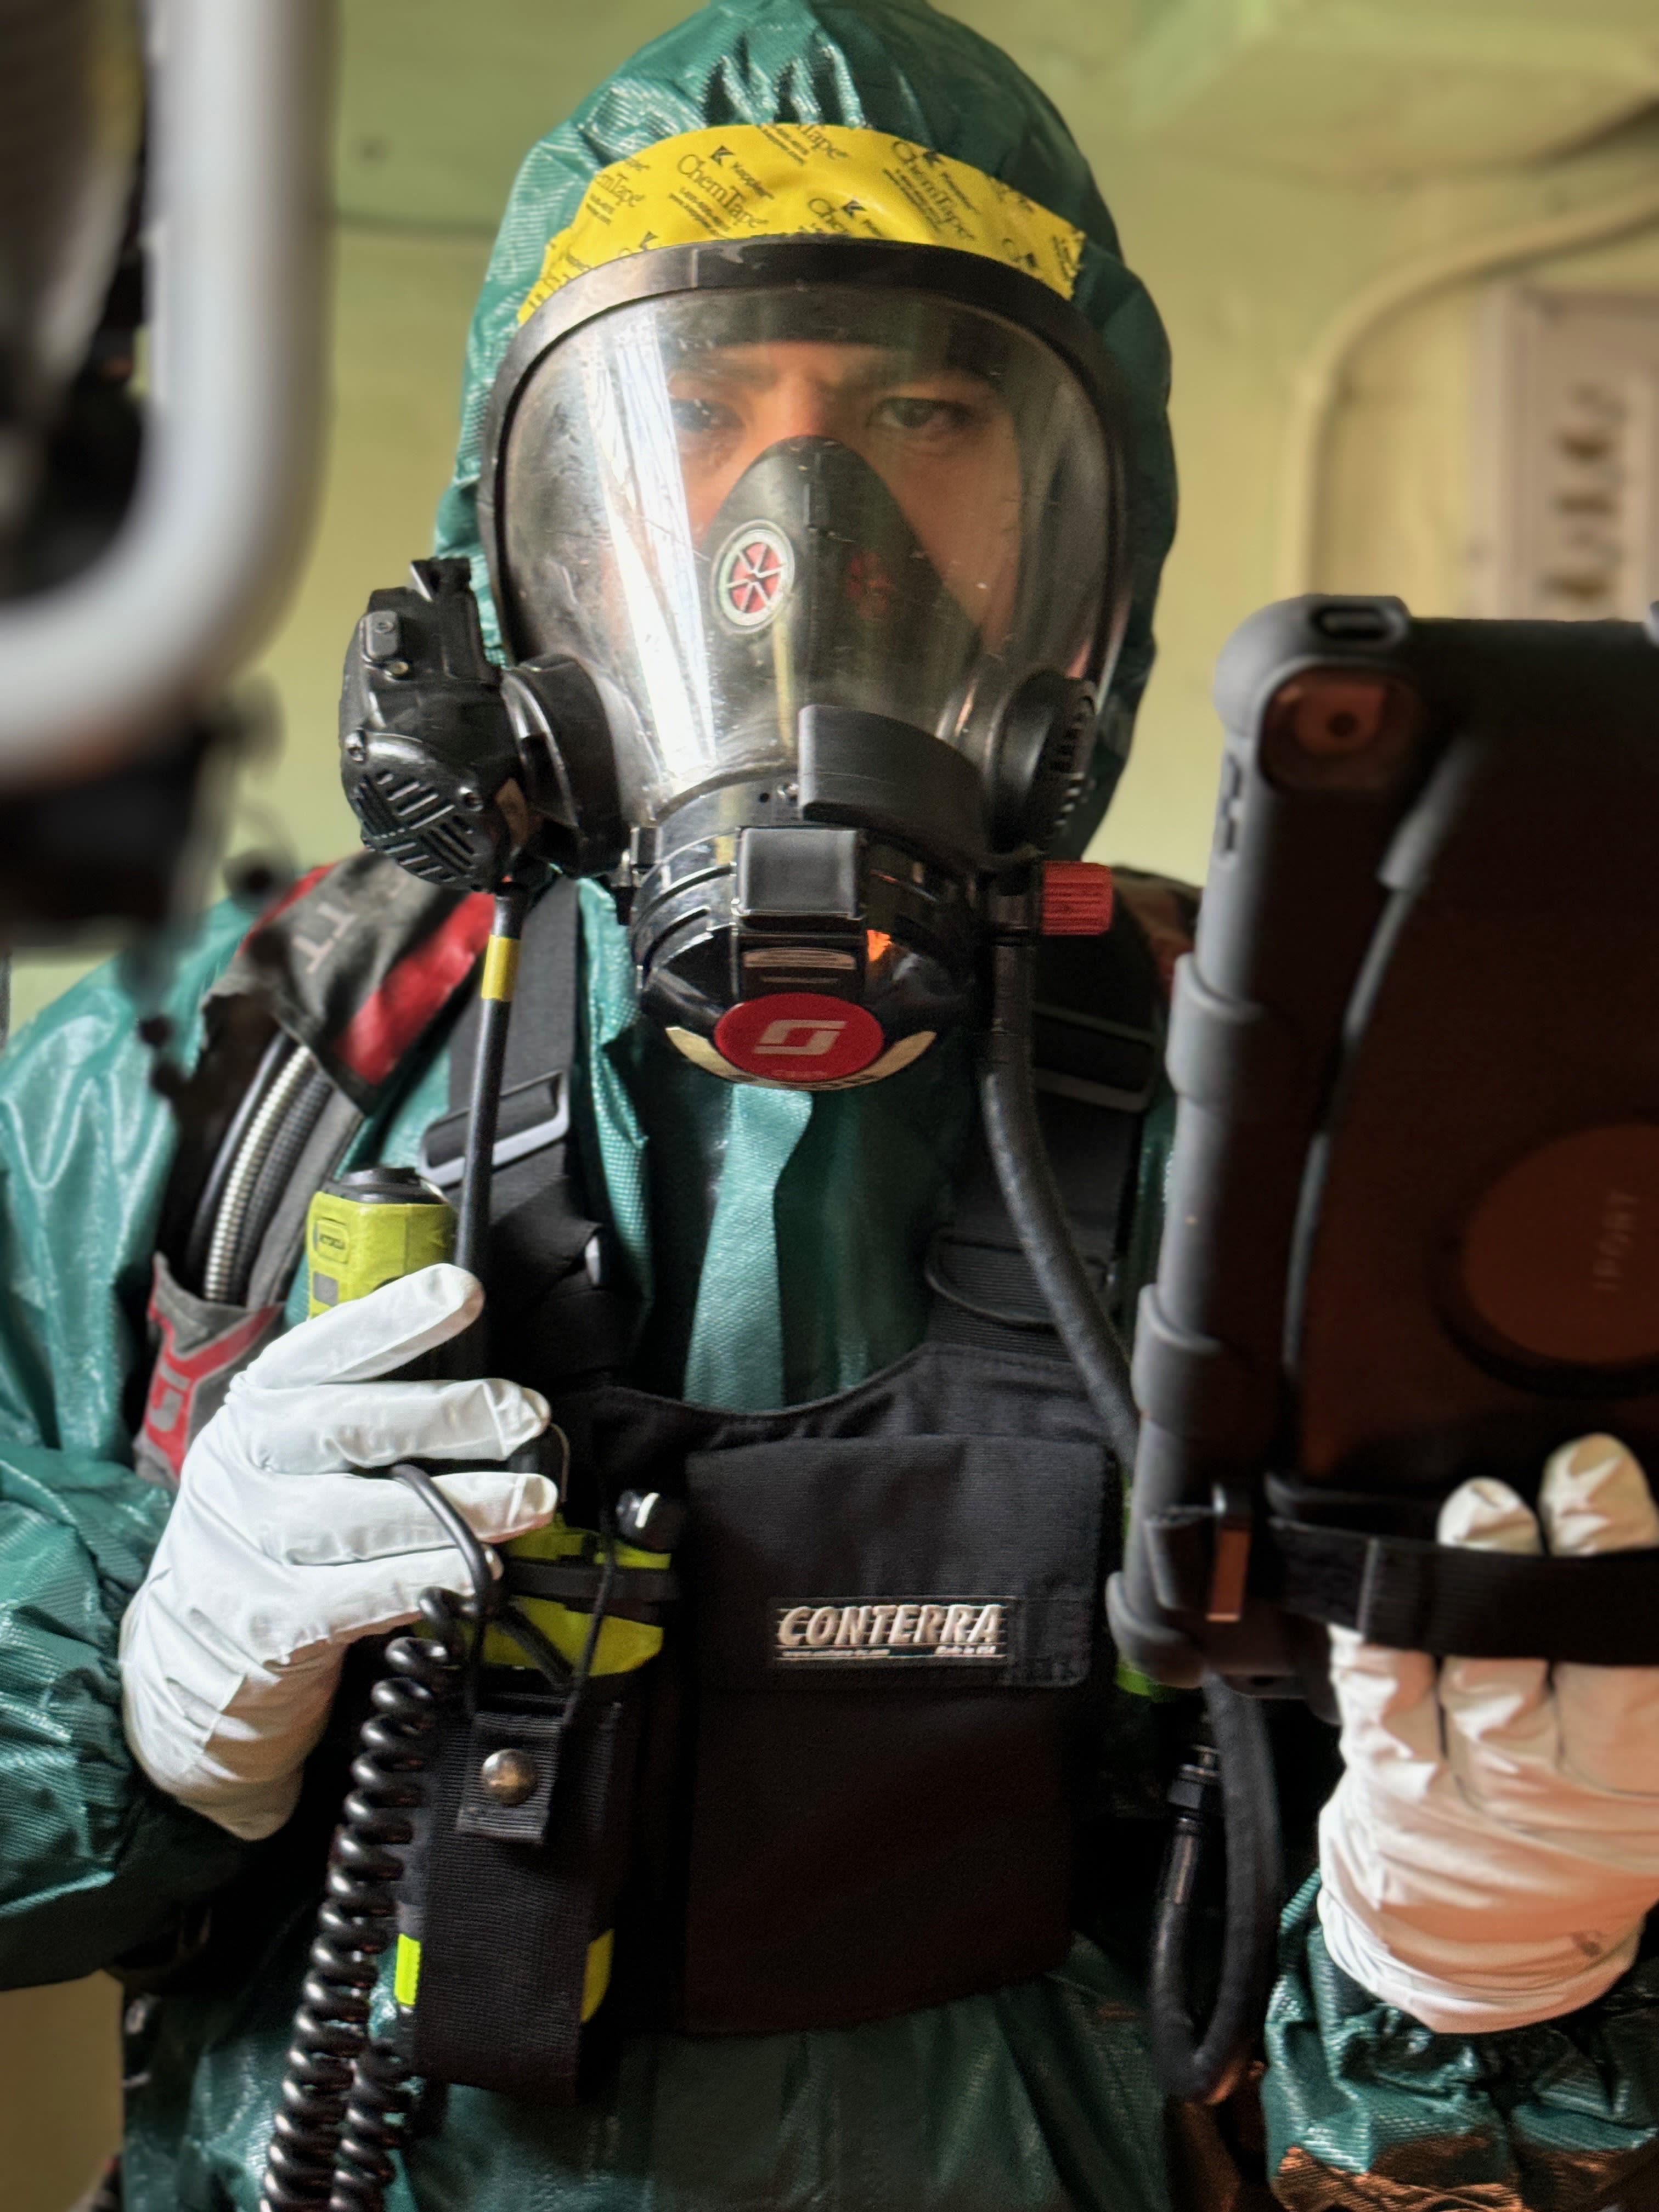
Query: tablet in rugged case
x,y
1413,1228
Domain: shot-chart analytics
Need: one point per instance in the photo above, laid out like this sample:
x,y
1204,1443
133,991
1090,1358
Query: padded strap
x,y
541,1039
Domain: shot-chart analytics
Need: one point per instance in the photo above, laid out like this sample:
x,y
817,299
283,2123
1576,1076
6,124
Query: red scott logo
x,y
796,1037
752,576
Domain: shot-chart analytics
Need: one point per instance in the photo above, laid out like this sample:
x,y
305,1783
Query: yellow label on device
x,y
784,180
352,1246
501,968
621,1645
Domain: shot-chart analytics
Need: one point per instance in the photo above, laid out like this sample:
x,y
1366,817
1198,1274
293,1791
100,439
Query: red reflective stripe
x,y
384,1026
1077,898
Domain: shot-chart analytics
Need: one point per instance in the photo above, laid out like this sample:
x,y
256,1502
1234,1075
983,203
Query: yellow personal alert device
x,y
369,1226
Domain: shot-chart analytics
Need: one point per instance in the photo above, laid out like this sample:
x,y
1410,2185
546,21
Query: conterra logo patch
x,y
960,1630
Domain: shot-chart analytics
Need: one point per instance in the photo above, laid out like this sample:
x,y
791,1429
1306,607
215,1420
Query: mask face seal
x,y
834,572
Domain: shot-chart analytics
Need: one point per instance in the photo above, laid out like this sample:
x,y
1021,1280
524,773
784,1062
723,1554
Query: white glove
x,y
1493,1849
275,1557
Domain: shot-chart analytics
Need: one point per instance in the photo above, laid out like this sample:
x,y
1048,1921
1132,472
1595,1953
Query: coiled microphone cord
x,y
344,2093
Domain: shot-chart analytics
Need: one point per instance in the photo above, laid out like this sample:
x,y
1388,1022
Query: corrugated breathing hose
x,y
218,1275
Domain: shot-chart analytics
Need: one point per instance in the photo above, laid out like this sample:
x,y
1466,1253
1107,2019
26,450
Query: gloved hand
x,y
275,1557
1493,1849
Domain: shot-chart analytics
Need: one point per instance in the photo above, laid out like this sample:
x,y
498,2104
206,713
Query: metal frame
x,y
90,671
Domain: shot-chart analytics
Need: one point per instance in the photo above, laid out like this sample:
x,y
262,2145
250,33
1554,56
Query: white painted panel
x,y
1566,521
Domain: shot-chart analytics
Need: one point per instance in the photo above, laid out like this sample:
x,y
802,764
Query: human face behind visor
x,y
730,505
940,437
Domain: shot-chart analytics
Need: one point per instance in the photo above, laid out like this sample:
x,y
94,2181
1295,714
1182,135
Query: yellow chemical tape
x,y
501,968
780,179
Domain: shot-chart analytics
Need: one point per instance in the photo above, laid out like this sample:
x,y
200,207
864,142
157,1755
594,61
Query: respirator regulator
x,y
808,561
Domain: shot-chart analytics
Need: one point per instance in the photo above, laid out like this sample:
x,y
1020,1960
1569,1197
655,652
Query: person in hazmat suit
x,y
813,486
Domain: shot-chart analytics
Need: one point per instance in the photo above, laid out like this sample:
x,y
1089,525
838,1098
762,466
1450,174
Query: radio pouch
x,y
506,1908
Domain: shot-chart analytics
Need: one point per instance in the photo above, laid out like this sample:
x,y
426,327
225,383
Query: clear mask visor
x,y
730,505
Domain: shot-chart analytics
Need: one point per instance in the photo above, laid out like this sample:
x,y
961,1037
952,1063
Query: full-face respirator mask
x,y
809,560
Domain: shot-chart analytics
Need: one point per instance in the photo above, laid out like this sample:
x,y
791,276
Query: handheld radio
x,y
369,1226
488,1814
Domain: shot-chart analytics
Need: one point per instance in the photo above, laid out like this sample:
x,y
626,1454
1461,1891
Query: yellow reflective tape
x,y
621,1645
596,1975
558,1540
781,179
501,968
406,1975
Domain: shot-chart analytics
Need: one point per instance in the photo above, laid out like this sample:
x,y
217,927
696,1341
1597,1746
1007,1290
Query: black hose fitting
x,y
1227,1782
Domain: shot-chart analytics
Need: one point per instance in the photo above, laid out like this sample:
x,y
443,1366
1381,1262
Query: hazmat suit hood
x,y
886,65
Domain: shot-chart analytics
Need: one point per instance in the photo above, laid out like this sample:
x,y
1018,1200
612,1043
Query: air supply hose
x,y
1008,1101
1202,2071
1195,2070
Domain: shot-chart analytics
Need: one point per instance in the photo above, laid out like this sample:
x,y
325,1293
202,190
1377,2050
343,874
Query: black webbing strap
x,y
509,1925
553,1320
1415,1595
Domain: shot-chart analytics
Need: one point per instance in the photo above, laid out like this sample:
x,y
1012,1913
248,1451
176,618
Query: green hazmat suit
x,y
1028,2100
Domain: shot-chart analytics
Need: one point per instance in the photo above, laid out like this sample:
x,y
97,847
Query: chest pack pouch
x,y
1412,1230
822,1752
847,1786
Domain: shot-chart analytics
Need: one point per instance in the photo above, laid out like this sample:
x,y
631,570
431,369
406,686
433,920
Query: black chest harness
x,y
843,1781
826,1763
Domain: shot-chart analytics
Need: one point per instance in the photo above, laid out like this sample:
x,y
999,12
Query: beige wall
x,y
60,2092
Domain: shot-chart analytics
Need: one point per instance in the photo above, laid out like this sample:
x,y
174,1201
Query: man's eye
x,y
701,418
915,414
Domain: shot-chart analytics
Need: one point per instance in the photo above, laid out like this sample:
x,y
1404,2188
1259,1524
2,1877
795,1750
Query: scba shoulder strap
x,y
549,1281
310,1031
1098,1053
